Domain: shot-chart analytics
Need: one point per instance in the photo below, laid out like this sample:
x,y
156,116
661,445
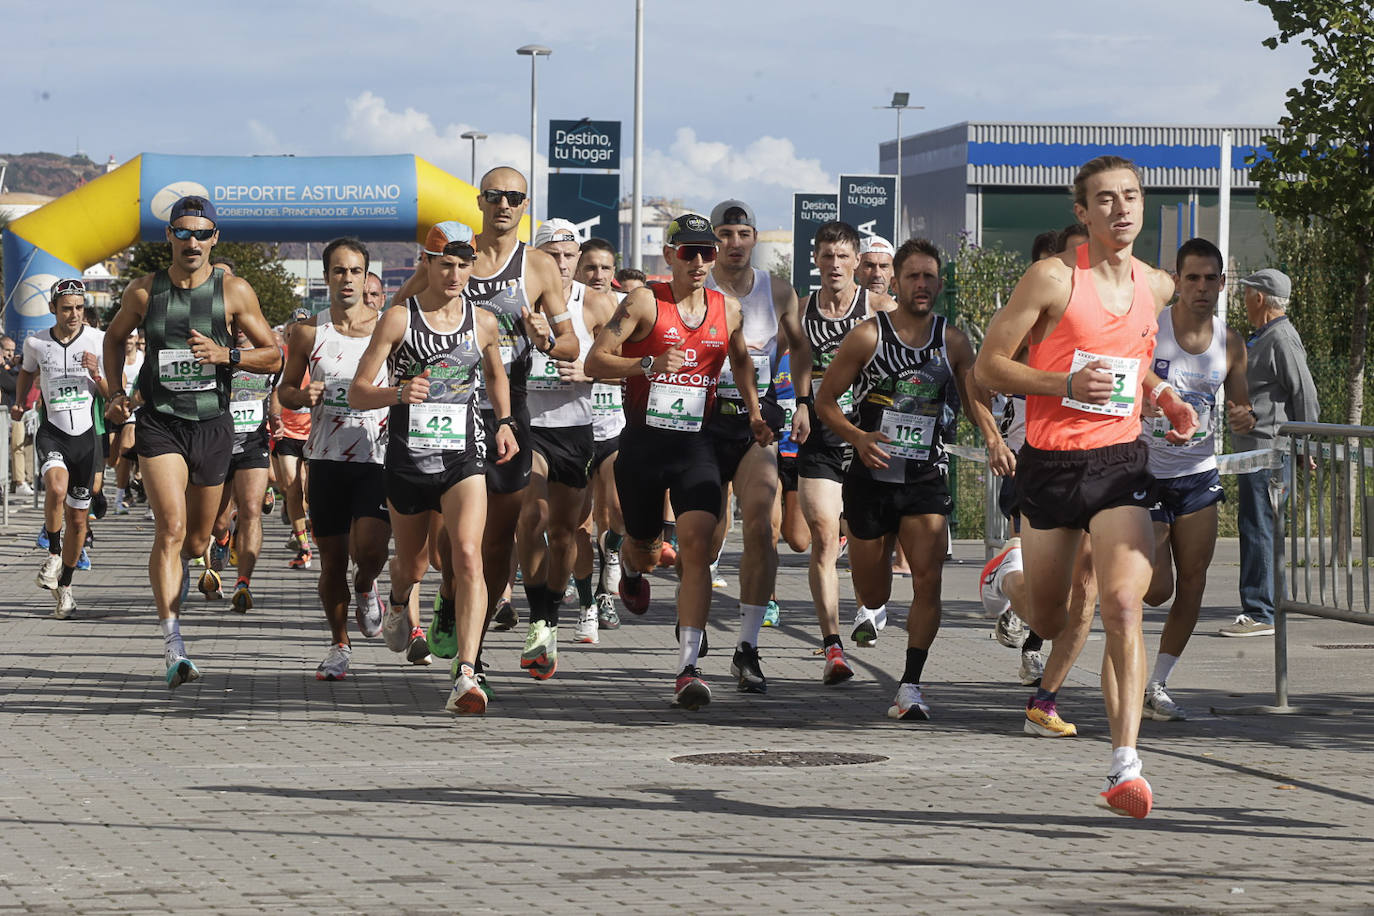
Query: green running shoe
x,y
443,631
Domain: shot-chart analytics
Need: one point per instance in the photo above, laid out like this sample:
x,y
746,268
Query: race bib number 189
x,y
179,371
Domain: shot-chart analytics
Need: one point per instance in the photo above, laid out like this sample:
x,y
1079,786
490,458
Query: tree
x,y
1321,166
781,266
255,262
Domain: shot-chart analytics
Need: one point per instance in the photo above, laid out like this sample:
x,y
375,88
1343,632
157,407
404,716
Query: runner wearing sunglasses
x,y
191,312
670,340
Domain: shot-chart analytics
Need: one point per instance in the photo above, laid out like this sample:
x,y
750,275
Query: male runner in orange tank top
x,y
1091,315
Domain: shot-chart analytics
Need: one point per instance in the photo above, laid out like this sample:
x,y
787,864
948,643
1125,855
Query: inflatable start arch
x,y
257,199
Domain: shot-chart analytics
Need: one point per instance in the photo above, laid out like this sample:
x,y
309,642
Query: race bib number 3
x,y
726,387
912,435
441,426
678,407
1125,384
179,371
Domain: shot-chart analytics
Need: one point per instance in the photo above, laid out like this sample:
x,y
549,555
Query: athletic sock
x,y
1033,643
242,580
613,540
751,622
584,592
119,496
65,578
1044,697
832,641
688,646
1123,758
1164,666
171,636
55,542
915,664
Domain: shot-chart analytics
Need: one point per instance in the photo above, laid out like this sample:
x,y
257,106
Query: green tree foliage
x,y
1319,171
255,262
781,266
979,280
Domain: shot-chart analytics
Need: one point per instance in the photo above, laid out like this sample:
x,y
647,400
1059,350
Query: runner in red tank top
x,y
1091,316
670,341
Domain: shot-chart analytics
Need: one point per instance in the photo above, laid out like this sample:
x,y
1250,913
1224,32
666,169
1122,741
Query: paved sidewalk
x,y
260,790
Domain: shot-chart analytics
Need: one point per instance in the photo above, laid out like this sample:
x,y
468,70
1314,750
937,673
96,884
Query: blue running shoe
x,y
42,539
180,670
84,561
772,614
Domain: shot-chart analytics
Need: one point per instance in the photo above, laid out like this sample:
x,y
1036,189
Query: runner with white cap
x,y
874,272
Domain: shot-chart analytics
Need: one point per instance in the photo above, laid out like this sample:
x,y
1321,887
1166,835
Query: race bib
x,y
543,374
441,426
335,400
677,407
1125,384
789,410
247,415
912,435
1160,426
606,399
726,387
507,355
179,371
69,392
846,401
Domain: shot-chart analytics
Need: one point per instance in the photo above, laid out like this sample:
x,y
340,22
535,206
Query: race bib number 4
x,y
1125,384
726,387
911,435
441,426
247,415
179,371
677,407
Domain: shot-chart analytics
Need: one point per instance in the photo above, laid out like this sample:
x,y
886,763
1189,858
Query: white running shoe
x,y
909,704
1032,668
587,627
335,664
369,611
995,600
66,602
396,628
1011,630
717,580
47,576
1126,792
467,697
610,573
1160,706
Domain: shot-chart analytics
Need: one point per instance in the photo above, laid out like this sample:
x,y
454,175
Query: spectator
x,y
21,440
1281,390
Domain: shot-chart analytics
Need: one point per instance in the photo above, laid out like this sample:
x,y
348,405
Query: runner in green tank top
x,y
190,313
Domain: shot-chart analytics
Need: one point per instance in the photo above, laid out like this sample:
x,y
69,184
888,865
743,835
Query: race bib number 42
x,y
677,407
441,426
1125,384
179,371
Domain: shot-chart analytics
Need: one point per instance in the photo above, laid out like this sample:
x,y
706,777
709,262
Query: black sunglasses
x,y
514,198
200,235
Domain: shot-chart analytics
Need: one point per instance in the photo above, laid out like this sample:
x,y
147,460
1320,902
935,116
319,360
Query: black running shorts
x,y
605,450
1066,489
78,454
875,509
818,461
205,444
341,491
410,495
514,475
286,447
1180,496
253,454
568,451
653,462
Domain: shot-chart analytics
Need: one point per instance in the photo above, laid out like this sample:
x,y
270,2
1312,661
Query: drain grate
x,y
1347,645
779,759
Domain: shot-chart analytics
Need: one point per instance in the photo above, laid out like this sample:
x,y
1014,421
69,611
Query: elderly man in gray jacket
x,y
1281,390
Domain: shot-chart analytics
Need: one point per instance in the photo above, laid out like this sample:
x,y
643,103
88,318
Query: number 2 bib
x,y
441,426
179,371
677,407
1125,384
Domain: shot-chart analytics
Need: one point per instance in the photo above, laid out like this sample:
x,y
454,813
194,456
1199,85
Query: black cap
x,y
690,229
192,206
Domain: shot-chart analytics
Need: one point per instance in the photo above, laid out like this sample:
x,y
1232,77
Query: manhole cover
x,y
779,759
1347,645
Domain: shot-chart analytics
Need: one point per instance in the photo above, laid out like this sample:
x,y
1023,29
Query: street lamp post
x,y
533,52
899,102
637,187
474,136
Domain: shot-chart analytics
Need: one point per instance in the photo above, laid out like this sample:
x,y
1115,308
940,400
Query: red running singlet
x,y
682,400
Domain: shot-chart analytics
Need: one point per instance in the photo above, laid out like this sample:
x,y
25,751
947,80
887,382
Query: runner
x,y
1083,466
1197,353
670,341
767,305
64,360
123,459
900,365
345,450
191,313
875,269
431,349
830,314
290,430
374,294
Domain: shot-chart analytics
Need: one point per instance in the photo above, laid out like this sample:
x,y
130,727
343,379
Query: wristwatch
x,y
234,356
646,363
507,421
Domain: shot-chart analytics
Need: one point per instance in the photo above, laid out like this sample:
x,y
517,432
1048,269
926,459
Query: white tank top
x,y
759,320
1197,378
67,389
337,431
553,402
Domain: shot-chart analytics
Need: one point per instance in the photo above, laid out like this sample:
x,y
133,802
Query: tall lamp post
x,y
637,187
474,136
899,102
533,52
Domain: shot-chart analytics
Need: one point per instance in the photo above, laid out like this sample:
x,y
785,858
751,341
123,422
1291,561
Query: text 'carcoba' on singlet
x,y
505,296
1197,377
1087,332
679,401
902,392
172,381
554,402
759,320
825,335
337,431
446,430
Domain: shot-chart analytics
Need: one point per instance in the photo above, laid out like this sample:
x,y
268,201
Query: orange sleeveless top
x,y
1087,332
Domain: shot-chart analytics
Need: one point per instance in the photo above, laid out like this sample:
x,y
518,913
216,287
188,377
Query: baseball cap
x,y
1271,282
732,213
555,230
876,243
690,229
192,206
448,233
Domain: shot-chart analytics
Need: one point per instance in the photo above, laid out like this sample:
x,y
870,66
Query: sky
x,y
752,99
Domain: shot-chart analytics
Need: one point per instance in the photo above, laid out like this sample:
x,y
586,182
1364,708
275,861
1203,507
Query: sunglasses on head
x,y
514,198
688,252
200,235
69,288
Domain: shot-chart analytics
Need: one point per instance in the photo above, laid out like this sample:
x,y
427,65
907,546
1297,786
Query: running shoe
x,y
606,616
197,561
569,598
772,614
335,664
467,697
505,617
668,557
1160,706
48,573
242,598
1011,630
837,670
610,570
180,670
219,554
540,655
690,691
302,558
443,629
634,593
587,626
368,611
233,554
269,501
42,539
1126,792
455,670
83,562
867,623
995,600
121,508
292,543
65,602
909,705
745,667
211,585
417,648
1032,669
717,580
1042,721
396,628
